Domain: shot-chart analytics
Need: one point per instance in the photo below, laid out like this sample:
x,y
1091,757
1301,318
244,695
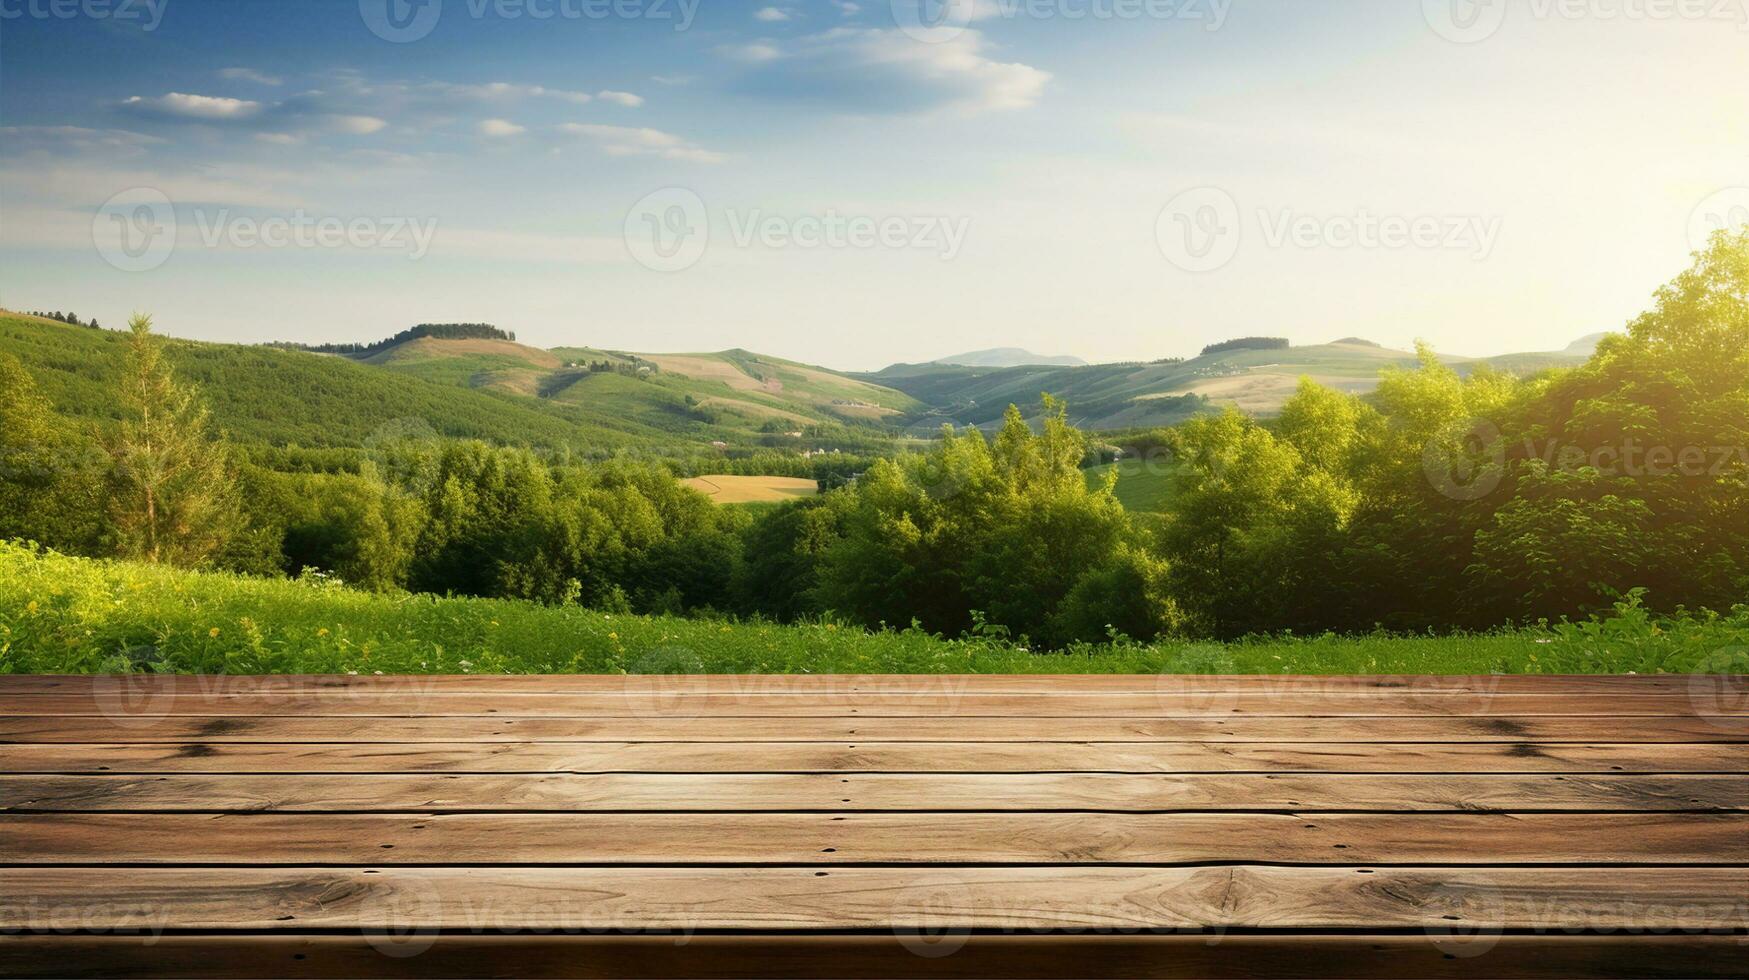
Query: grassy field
x,y
1143,485
67,615
752,489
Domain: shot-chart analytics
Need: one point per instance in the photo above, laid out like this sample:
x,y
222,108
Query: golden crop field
x,y
753,489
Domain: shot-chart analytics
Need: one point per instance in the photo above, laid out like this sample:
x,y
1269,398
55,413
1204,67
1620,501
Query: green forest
x,y
1439,504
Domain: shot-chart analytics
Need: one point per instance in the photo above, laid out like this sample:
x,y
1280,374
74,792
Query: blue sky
x,y
1364,167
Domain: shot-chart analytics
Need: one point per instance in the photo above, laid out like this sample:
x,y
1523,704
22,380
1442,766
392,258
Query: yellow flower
x,y
613,636
214,632
30,606
322,632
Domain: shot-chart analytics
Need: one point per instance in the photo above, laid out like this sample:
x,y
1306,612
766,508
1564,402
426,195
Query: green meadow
x,y
73,615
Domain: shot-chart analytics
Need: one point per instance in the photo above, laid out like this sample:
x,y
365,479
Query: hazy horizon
x,y
830,182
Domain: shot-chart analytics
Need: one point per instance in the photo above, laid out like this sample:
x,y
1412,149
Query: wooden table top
x,y
954,826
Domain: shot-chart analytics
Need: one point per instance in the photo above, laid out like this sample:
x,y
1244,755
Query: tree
x,y
1637,469
47,491
173,487
1008,529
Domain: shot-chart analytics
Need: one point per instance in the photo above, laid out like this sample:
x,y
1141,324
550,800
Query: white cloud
x,y
507,90
356,125
250,75
208,108
756,53
499,128
626,99
868,70
771,14
279,139
846,8
640,141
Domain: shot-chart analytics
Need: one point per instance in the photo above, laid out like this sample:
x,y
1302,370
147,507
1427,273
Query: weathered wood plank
x,y
124,706
880,957
485,900
1507,729
818,685
872,791
1466,839
1165,757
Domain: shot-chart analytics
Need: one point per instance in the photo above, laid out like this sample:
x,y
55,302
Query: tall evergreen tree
x,y
173,492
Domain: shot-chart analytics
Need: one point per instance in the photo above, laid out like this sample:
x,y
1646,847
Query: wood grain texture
x,y
882,957
874,826
381,840
845,792
488,900
799,757
475,730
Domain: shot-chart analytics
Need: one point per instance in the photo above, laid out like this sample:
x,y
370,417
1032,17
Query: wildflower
x,y
214,632
30,606
613,636
322,632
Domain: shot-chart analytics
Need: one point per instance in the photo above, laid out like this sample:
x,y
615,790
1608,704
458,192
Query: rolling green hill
x,y
733,396
279,397
591,400
498,391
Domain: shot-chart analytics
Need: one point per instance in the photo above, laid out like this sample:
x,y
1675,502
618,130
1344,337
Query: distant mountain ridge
x,y
1255,375
477,382
1009,357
